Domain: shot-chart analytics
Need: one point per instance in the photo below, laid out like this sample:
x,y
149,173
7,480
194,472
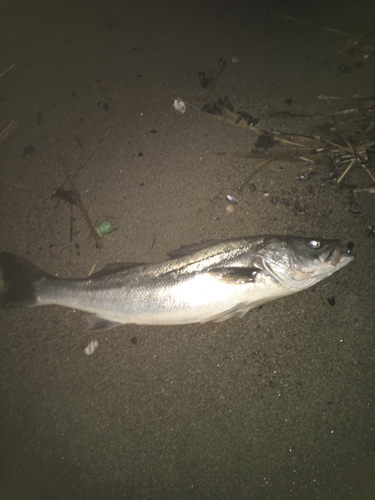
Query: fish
x,y
209,281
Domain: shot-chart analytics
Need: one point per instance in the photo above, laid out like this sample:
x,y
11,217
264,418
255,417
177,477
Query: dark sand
x,y
278,405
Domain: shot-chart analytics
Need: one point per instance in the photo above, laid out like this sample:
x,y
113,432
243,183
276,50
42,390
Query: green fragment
x,y
104,228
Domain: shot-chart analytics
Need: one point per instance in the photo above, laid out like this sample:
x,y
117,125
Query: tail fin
x,y
20,277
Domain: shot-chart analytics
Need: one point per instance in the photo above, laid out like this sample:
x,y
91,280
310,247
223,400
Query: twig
x,y
364,190
301,146
337,146
13,184
6,71
368,171
8,130
71,223
232,115
345,111
336,31
306,159
369,128
216,79
328,97
92,270
346,170
77,197
80,167
332,30
264,162
350,146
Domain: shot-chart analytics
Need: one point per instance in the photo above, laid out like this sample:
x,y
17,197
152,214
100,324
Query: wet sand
x,y
278,405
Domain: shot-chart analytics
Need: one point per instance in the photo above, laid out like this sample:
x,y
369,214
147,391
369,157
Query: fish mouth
x,y
333,257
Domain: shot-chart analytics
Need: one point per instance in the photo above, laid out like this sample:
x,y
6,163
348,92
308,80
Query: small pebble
x,y
232,199
331,301
230,208
179,105
354,207
306,176
91,347
349,247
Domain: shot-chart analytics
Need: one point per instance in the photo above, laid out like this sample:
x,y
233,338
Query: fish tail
x,y
20,277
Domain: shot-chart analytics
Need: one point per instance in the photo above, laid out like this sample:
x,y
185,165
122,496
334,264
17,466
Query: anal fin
x,y
100,324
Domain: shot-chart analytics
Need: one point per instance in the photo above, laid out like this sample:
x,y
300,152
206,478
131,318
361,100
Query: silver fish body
x,y
210,281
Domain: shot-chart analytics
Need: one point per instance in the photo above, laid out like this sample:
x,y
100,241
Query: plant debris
x,y
306,176
65,195
344,142
212,109
265,141
205,78
83,210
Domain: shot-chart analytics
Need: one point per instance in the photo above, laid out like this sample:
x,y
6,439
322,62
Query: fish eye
x,y
314,244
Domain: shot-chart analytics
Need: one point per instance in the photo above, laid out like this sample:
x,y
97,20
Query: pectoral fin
x,y
235,275
237,311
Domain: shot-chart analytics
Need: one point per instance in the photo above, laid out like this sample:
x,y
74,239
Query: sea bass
x,y
209,281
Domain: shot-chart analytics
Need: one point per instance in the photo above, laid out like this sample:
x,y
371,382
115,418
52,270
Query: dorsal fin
x,y
192,248
116,267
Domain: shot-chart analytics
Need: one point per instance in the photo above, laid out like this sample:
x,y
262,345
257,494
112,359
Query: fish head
x,y
299,262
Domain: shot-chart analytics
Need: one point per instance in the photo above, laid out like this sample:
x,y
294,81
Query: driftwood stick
x,y
83,210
